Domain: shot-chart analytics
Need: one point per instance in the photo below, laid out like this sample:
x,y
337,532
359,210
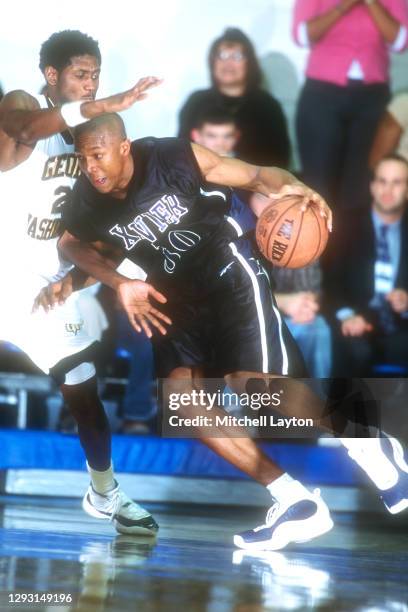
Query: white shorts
x,y
47,338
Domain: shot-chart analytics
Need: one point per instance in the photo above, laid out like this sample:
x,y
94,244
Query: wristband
x,y
71,114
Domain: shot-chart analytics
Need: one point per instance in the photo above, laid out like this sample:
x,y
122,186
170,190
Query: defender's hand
x,y
121,101
54,293
309,197
134,296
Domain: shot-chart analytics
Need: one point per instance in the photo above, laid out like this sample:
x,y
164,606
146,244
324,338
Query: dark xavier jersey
x,y
171,223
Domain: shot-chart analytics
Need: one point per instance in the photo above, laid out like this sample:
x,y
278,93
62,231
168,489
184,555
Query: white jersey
x,y
38,189
32,196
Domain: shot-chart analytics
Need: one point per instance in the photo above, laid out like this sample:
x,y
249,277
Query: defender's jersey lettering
x,y
44,229
43,184
61,165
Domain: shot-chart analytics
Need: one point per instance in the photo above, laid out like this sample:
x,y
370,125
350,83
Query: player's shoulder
x,y
19,99
82,192
153,145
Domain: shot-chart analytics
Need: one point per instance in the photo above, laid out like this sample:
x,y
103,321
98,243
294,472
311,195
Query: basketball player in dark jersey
x,y
150,200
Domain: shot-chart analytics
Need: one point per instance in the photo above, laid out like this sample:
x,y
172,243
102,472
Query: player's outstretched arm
x,y
23,122
272,182
134,295
121,101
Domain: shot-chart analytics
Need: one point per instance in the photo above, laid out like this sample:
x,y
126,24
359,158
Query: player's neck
x,y
52,96
121,190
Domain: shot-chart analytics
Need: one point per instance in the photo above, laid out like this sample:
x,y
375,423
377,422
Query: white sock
x,y
367,453
102,482
285,487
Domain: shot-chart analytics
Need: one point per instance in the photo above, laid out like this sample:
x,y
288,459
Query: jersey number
x,y
64,193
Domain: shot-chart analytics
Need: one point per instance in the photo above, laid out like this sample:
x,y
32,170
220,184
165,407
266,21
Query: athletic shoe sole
x,y
134,530
286,534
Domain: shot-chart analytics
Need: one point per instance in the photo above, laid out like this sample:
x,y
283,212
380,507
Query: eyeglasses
x,y
235,56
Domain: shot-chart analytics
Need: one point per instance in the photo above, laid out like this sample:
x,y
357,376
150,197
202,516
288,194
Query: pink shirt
x,y
353,38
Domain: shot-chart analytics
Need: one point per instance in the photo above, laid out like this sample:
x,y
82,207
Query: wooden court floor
x,y
51,546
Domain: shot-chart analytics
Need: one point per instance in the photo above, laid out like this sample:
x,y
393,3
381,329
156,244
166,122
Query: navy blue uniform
x,y
176,227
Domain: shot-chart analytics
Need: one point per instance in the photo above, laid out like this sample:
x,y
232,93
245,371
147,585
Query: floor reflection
x,y
192,567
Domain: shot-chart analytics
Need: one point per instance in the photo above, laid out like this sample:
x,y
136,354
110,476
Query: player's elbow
x,y
27,135
67,243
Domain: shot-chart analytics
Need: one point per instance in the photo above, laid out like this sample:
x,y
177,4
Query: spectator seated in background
x,y
368,282
346,90
217,130
236,87
392,132
297,293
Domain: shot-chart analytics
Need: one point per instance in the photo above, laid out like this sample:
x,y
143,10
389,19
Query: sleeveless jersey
x,y
36,190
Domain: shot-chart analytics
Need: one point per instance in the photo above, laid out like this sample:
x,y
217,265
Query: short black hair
x,y
61,47
233,36
110,122
216,115
390,157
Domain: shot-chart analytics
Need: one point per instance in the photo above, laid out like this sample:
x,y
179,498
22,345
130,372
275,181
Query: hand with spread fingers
x,y
309,198
134,296
54,294
121,101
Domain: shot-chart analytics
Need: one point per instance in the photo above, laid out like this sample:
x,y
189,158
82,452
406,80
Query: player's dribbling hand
x,y
309,197
123,101
54,293
134,296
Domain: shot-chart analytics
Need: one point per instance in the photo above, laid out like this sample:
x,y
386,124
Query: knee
x,y
252,382
177,389
84,403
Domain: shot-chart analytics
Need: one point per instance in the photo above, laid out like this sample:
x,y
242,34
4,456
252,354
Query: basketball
x,y
289,237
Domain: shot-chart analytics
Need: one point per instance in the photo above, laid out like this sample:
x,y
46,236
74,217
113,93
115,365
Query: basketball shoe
x,y
302,516
126,515
383,460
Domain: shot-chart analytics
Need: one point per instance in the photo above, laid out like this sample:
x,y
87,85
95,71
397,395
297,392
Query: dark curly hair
x,y
233,36
61,47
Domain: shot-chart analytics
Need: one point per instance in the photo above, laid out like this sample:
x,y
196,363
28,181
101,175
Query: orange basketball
x,y
288,237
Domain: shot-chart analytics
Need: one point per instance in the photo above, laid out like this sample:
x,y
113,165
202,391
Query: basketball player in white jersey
x,y
38,169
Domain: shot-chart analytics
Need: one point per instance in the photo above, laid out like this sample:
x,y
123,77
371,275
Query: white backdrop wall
x,y
168,38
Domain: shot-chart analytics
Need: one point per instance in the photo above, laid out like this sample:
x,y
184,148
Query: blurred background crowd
x,y
349,311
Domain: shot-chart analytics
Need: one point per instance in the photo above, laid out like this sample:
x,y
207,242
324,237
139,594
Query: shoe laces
x,y
274,510
119,501
270,516
114,503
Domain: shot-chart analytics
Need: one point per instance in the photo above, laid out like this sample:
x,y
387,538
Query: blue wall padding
x,y
176,456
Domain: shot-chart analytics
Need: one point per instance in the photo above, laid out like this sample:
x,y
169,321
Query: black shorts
x,y
234,326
